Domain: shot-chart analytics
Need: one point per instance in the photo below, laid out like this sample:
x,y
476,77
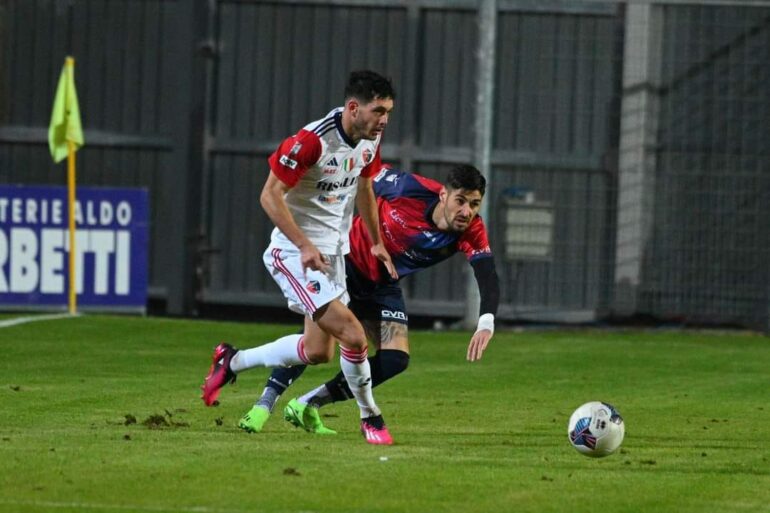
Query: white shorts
x,y
306,292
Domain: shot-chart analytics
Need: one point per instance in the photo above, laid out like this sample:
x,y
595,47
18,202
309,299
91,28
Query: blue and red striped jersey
x,y
406,202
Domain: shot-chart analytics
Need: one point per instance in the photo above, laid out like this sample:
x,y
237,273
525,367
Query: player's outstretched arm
x,y
367,210
274,204
489,291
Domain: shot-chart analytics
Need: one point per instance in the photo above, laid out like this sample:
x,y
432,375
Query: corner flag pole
x,y
73,297
65,136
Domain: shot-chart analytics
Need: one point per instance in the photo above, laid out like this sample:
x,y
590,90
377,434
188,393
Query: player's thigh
x,y
394,335
336,320
383,314
372,329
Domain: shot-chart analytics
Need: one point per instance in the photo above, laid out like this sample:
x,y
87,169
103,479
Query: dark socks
x,y
277,383
386,364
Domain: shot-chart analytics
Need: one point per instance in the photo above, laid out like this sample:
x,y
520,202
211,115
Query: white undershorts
x,y
307,291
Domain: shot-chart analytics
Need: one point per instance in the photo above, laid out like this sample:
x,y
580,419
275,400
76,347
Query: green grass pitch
x,y
484,437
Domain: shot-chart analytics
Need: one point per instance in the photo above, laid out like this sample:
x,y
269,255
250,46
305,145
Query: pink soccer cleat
x,y
375,431
219,374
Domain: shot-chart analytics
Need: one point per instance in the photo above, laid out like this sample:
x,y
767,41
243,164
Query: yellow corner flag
x,y
65,117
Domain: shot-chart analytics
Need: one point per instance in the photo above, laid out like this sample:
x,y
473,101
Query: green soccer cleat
x,y
305,417
254,419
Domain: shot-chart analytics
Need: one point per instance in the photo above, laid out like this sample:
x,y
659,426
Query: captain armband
x,y
486,322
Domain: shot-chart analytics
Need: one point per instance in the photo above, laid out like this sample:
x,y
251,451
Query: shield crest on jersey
x,y
368,156
348,165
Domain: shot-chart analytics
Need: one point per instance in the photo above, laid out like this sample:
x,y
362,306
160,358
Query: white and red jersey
x,y
322,165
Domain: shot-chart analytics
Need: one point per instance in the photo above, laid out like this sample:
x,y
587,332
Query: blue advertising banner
x,y
110,246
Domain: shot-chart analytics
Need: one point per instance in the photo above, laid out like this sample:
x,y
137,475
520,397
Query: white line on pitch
x,y
34,318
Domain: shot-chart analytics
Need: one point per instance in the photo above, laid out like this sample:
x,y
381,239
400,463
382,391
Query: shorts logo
x,y
313,287
390,314
286,161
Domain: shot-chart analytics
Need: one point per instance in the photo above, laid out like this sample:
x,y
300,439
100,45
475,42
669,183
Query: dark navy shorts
x,y
381,302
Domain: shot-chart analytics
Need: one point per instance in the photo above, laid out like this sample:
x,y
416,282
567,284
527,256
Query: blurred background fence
x,y
625,142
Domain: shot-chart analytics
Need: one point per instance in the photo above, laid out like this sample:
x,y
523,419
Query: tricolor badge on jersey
x,y
295,149
313,287
348,164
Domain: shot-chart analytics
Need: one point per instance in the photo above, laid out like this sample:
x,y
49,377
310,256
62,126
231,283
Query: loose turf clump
x,y
156,422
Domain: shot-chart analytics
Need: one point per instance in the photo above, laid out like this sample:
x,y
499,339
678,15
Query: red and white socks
x,y
358,374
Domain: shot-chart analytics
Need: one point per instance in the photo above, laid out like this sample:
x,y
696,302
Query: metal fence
x,y
693,230
636,126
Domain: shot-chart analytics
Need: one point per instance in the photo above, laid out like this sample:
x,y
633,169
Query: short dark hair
x,y
367,85
466,177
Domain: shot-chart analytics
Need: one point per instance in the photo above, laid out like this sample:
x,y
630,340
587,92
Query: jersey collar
x,y
340,131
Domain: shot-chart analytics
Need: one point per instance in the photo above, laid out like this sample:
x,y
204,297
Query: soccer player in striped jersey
x,y
422,223
316,178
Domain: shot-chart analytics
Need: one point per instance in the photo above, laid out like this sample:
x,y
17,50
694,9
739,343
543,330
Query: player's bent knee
x,y
319,355
352,337
319,348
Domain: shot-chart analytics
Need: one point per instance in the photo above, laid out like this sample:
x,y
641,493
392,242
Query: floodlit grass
x,y
483,437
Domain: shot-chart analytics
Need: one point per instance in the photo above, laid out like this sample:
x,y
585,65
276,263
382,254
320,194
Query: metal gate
x,y
625,137
281,64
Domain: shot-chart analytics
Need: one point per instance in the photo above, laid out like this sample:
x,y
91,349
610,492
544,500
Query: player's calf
x,y
386,364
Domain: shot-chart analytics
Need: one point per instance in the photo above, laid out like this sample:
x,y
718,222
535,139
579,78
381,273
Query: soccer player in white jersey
x,y
423,223
316,178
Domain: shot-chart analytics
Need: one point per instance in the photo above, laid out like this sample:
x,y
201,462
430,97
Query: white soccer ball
x,y
596,429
